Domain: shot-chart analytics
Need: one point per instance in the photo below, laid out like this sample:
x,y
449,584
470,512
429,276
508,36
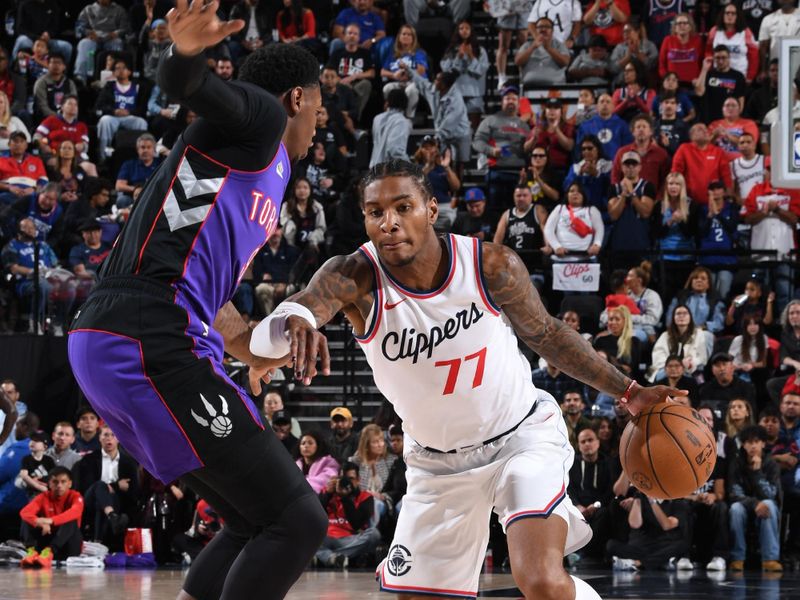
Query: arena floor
x,y
337,585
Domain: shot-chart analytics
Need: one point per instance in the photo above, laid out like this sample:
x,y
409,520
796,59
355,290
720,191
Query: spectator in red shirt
x,y
555,135
655,160
21,174
682,51
701,162
607,18
295,23
62,126
350,511
53,518
633,97
725,132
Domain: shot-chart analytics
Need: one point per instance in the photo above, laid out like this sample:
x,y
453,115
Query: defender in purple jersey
x,y
147,346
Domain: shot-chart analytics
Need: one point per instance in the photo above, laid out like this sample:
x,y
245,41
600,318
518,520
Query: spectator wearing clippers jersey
x,y
660,16
522,227
748,168
123,103
732,32
682,51
61,126
717,230
610,130
606,18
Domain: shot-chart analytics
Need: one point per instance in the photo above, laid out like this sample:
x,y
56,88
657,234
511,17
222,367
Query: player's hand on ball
x,y
195,26
642,397
307,344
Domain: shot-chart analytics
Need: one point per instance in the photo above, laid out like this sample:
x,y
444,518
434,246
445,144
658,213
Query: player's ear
x,y
293,100
433,210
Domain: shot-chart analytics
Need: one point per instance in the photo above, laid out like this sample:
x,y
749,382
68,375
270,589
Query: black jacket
x,y
89,471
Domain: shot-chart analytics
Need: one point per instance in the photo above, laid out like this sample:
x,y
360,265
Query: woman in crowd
x,y
749,350
442,177
406,52
273,402
618,341
374,463
671,83
706,306
303,222
732,31
633,96
738,415
681,52
649,302
469,59
681,339
675,232
634,46
593,172
609,442
555,135
540,178
751,303
66,168
315,461
9,124
573,319
573,227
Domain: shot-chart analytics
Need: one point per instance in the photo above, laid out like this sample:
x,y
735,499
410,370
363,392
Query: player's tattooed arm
x,y
343,283
561,346
236,334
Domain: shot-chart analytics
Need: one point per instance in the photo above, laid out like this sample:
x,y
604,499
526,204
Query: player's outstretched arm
x,y
561,346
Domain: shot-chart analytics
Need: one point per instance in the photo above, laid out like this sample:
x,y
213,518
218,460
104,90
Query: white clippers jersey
x,y
447,359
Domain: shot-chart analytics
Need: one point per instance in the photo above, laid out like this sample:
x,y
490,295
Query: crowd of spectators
x,y
594,134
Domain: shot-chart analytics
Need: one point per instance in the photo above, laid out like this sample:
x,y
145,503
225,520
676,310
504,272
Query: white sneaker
x,y
684,564
717,564
502,80
623,564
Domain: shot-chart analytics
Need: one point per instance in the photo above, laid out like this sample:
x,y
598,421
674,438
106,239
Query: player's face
x,y
790,406
59,485
308,446
63,437
302,126
398,218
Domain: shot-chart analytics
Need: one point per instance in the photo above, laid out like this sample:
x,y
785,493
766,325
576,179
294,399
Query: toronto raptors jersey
x,y
447,359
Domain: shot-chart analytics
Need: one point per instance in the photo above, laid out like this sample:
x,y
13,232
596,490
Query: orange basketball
x,y
668,451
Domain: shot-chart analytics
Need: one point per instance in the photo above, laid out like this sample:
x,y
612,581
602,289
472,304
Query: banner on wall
x,y
576,277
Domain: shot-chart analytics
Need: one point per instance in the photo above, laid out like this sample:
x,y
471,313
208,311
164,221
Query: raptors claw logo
x,y
220,425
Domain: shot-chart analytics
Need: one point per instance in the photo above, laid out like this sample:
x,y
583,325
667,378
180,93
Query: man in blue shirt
x,y
369,22
612,131
12,498
135,172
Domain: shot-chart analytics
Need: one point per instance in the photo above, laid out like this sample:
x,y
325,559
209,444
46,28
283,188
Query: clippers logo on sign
x,y
399,560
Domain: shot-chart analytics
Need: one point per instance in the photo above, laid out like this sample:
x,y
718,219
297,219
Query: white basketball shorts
x,y
443,527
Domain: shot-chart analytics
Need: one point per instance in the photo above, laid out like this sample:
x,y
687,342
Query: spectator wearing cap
x,y
607,18
717,229
654,159
355,67
391,130
437,166
52,88
611,131
282,426
21,174
87,424
101,25
86,258
94,203
630,208
542,59
773,214
342,442
475,221
724,386
635,47
701,162
681,51
153,40
450,120
470,61
35,467
593,65
135,172
725,132
501,137
555,136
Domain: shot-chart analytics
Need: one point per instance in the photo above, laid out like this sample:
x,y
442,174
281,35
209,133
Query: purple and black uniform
x,y
142,348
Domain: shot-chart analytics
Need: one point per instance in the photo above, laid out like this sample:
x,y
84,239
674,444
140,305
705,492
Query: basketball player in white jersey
x,y
437,318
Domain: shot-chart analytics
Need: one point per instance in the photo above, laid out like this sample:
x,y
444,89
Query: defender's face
x,y
398,218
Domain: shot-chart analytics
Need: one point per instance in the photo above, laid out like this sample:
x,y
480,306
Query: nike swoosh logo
x,y
388,306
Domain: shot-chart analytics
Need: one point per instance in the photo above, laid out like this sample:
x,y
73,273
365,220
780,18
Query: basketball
x,y
668,451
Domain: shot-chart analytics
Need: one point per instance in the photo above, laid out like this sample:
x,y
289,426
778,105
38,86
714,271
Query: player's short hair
x,y
59,470
398,168
277,68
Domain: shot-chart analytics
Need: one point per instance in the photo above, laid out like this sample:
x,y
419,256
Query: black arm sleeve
x,y
241,124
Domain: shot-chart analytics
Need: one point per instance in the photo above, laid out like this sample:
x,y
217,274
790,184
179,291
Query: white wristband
x,y
269,338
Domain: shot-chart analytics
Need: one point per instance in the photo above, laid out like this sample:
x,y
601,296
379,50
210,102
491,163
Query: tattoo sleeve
x,y
560,345
235,332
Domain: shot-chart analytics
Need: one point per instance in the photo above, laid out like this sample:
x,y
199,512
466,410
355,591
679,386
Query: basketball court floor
x,y
61,584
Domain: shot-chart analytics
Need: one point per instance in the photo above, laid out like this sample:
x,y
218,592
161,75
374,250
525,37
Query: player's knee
x,y
546,584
